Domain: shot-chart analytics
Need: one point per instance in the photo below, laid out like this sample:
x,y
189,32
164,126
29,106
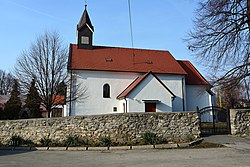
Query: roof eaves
x,y
69,66
199,74
131,71
89,28
210,92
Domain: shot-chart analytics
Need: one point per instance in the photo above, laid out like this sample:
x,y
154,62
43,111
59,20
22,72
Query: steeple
x,y
85,31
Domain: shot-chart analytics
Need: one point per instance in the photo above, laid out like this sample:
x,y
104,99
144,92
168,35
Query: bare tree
x,y
46,61
230,96
6,81
221,39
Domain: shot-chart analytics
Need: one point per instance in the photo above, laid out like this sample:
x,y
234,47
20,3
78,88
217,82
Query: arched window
x,y
106,91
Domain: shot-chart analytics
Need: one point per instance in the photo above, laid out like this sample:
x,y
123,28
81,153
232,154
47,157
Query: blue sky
x,y
158,24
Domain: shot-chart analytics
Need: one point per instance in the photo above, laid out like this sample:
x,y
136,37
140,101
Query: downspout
x,y
126,105
183,100
70,94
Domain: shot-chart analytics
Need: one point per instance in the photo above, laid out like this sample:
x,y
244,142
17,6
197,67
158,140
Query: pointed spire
x,y
85,20
85,31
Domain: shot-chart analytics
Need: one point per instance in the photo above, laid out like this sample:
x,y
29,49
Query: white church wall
x,y
66,110
176,83
150,89
197,96
93,81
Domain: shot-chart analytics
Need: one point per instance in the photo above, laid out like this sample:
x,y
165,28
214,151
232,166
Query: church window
x,y
106,91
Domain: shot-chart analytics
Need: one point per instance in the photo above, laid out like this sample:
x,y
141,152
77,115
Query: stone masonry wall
x,y
174,126
240,122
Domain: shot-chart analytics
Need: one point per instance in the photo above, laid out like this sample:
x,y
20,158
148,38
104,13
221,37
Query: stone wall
x,y
174,126
240,122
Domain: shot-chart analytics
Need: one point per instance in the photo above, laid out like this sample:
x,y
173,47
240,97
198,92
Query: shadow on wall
x,y
163,107
177,104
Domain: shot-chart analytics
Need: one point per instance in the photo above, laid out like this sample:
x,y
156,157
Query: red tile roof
x,y
193,76
59,99
124,60
136,82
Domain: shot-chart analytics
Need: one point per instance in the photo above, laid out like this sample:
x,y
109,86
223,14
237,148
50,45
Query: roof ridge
x,y
123,47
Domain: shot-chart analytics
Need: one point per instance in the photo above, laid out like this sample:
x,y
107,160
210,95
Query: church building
x,y
122,80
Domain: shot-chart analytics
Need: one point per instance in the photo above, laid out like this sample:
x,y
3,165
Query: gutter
x,y
183,100
70,94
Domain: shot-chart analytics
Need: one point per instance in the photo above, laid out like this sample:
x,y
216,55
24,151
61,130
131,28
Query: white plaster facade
x,y
148,89
187,97
200,97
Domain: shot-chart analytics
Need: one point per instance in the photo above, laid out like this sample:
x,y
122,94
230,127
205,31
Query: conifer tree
x,y
61,89
14,104
33,101
1,114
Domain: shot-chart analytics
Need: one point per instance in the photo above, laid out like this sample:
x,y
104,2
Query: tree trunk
x,y
49,111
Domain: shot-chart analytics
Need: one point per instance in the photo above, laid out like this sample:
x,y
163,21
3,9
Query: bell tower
x,y
85,31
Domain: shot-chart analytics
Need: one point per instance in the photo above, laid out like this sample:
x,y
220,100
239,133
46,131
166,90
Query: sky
x,y
158,24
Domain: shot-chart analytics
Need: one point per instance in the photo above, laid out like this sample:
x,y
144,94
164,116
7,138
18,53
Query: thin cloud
x,y
34,10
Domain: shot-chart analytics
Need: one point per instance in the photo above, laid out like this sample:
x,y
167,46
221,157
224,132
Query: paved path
x,y
230,141
215,157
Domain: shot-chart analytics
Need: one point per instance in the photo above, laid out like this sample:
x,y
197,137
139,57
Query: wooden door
x,y
150,107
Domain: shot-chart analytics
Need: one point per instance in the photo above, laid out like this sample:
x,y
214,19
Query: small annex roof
x,y
102,58
137,81
193,76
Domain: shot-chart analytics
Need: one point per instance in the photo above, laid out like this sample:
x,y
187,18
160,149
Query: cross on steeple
x,y
85,4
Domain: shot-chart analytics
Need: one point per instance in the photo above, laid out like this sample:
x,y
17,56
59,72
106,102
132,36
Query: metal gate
x,y
214,120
